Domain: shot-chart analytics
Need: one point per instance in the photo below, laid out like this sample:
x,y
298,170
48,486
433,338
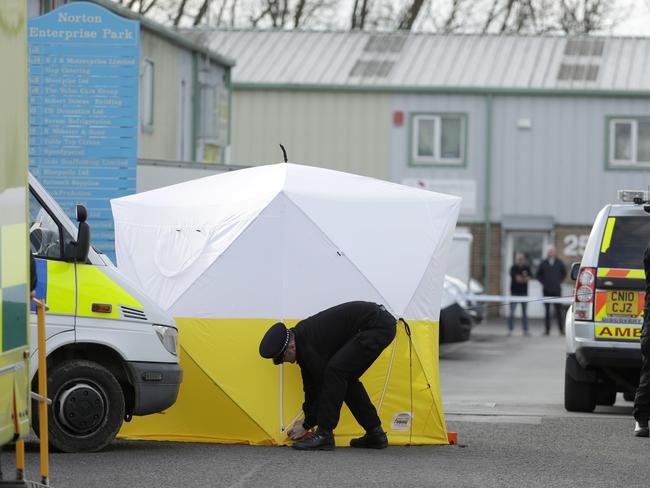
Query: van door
x,y
56,277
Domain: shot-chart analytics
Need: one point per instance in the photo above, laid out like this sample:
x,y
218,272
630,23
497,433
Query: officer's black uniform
x,y
333,349
642,399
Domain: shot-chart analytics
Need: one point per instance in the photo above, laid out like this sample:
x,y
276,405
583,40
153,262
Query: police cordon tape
x,y
496,301
505,299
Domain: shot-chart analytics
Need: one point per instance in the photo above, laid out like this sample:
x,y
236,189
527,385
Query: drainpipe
x,y
196,96
488,192
230,113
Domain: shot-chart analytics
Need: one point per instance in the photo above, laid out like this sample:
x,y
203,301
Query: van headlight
x,y
168,336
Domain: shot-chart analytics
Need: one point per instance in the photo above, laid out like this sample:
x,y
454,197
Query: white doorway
x,y
532,244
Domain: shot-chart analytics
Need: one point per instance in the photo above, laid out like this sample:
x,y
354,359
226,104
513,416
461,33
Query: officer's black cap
x,y
275,342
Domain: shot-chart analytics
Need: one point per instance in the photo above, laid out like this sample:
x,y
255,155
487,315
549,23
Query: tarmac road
x,y
503,395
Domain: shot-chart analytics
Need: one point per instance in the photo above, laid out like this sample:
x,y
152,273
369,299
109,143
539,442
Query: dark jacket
x,y
320,336
516,288
551,277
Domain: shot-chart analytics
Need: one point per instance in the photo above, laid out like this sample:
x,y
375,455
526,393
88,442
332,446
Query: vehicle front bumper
x,y
155,385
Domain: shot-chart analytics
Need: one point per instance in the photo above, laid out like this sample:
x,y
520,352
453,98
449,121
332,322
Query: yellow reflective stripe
x,y
13,265
616,273
607,237
60,287
94,286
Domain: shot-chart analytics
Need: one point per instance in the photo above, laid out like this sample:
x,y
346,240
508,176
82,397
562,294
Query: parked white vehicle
x,y
603,326
112,352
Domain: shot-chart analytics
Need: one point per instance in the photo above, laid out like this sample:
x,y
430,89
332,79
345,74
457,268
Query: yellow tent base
x,y
230,395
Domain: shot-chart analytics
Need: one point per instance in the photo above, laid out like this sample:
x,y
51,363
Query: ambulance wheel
x,y
87,406
579,396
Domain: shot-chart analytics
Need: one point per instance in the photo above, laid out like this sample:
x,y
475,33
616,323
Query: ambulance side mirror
x,y
575,269
81,248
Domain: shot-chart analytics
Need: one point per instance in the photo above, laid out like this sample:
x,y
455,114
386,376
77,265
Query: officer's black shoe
x,y
321,440
373,439
641,428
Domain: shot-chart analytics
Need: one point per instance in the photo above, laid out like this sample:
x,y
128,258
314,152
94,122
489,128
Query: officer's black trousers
x,y
341,379
642,398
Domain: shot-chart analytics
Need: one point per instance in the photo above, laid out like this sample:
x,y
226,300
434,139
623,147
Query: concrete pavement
x,y
503,395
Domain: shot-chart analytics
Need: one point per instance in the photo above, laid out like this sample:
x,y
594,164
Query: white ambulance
x,y
603,326
112,353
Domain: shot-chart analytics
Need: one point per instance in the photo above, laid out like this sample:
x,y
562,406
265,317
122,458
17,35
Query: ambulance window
x,y
44,232
624,242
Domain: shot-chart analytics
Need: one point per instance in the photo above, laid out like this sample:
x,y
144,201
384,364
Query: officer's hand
x,y
297,431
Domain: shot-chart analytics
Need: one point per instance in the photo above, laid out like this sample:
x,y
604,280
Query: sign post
x,y
83,110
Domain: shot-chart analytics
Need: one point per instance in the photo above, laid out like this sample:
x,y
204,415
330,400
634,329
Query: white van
x,y
112,353
603,326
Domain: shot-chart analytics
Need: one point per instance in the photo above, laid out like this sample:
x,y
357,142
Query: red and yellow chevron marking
x,y
599,307
621,273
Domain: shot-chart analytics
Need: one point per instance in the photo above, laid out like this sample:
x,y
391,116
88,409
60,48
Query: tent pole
x,y
390,367
281,397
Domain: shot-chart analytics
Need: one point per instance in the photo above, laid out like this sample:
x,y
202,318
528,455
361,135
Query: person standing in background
x,y
519,276
551,274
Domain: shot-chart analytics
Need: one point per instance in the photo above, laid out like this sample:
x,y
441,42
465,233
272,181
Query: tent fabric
x,y
230,254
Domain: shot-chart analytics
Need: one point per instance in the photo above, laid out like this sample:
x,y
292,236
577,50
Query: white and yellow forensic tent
x,y
229,255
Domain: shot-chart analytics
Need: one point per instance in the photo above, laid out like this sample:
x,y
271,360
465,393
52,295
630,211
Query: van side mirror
x,y
82,213
575,269
78,251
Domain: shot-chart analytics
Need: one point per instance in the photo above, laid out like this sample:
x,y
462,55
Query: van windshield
x,y
629,238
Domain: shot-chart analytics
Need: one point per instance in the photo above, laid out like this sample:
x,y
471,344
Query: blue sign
x,y
83,110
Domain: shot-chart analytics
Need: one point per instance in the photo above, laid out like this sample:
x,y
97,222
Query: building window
x,y
629,142
146,90
46,6
209,129
438,139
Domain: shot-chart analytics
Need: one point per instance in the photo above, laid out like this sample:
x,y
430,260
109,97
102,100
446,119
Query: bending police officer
x,y
333,349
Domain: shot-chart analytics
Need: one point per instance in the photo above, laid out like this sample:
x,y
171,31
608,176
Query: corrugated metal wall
x,y
342,131
557,167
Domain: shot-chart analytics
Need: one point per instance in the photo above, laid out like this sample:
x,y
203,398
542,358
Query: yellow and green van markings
x,y
56,285
13,287
96,286
607,236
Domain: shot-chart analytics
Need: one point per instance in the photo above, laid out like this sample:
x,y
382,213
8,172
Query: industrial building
x,y
535,133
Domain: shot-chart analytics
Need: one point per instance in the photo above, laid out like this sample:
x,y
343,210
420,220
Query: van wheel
x,y
628,396
578,396
87,406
